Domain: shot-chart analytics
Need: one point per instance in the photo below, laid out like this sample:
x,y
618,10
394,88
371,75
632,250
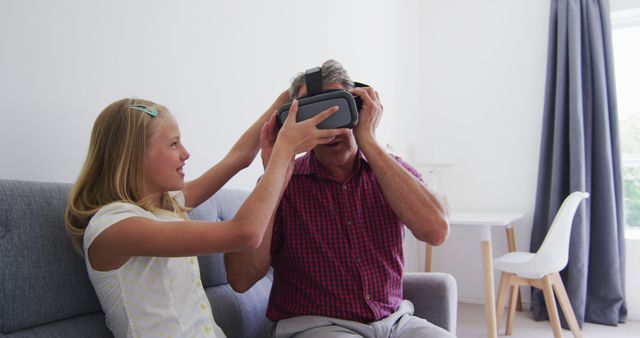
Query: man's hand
x,y
369,115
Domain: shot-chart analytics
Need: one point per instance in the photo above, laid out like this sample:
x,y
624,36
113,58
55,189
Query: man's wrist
x,y
368,145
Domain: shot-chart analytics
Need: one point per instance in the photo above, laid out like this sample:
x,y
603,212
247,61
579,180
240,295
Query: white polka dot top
x,y
150,296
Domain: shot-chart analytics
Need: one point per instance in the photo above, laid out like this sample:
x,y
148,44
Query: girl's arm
x,y
137,236
246,268
239,157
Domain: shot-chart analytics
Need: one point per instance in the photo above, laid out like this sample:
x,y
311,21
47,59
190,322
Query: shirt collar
x,y
309,164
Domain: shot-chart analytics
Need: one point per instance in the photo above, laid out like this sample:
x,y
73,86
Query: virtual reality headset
x,y
317,101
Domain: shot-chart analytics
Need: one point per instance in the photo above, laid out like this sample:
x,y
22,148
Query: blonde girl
x,y
127,214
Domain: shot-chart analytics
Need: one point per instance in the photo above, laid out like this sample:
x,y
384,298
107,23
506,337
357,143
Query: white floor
x,y
471,324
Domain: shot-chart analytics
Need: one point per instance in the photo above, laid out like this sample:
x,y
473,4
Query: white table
x,y
483,221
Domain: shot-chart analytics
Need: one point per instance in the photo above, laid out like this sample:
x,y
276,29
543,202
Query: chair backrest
x,y
553,254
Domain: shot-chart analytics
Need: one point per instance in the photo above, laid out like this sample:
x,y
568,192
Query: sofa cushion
x,y
85,326
242,315
42,279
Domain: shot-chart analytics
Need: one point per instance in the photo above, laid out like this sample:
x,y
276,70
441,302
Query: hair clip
x,y
141,107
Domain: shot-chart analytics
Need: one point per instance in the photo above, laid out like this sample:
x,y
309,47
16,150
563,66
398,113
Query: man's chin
x,y
332,149
333,153
331,145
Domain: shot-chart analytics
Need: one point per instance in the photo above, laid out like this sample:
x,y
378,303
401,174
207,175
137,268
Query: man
x,y
336,239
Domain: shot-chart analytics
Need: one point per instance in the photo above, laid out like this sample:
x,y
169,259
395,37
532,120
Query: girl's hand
x,y
268,138
302,136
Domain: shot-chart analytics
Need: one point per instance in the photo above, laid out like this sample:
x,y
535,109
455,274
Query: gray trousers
x,y
400,324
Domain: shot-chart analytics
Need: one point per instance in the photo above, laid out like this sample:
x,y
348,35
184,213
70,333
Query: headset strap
x,y
313,79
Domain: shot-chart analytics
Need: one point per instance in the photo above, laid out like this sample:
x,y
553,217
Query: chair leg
x,y
565,305
513,301
511,243
550,301
500,300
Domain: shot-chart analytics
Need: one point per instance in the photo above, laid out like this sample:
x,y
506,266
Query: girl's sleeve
x,y
109,215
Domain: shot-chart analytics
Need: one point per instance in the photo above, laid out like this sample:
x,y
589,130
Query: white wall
x,y
216,65
618,5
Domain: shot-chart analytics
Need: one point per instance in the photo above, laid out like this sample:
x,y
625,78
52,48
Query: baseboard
x,y
635,316
470,299
480,301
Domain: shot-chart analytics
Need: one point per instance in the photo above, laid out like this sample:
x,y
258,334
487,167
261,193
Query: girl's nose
x,y
185,154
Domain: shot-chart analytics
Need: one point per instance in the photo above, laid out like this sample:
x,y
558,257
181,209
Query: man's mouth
x,y
333,143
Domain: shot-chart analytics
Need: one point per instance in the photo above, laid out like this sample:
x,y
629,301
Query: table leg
x,y
427,257
511,242
489,298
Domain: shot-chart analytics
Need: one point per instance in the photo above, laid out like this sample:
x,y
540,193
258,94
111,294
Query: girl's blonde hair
x,y
113,168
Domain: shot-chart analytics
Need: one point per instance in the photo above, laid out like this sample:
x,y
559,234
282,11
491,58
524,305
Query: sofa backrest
x,y
44,287
42,278
223,206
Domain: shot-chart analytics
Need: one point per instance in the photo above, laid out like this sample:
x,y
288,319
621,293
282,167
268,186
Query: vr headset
x,y
317,101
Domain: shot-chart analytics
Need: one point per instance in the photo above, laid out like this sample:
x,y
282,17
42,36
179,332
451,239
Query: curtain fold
x,y
580,151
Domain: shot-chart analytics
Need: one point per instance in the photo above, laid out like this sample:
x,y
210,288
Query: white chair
x,y
541,270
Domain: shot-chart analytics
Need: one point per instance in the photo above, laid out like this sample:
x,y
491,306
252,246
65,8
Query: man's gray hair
x,y
332,71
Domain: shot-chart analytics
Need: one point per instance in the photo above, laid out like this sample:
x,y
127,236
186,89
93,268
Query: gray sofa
x,y
45,291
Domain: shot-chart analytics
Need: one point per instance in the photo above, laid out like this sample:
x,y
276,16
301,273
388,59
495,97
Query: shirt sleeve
x,y
408,166
109,215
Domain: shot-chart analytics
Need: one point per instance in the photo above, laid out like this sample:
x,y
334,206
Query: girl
x,y
127,214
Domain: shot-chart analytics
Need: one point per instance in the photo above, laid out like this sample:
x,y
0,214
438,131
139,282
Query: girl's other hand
x,y
268,139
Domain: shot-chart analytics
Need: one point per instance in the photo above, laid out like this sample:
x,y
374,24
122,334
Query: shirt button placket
x,y
350,222
206,329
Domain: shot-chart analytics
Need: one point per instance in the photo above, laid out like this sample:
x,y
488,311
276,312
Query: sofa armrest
x,y
434,296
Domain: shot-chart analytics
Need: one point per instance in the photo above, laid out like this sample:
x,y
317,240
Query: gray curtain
x,y
580,151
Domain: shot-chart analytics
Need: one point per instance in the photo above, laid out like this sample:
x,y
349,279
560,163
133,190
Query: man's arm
x,y
244,269
417,207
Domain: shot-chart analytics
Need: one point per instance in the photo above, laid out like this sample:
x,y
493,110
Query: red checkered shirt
x,y
337,247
